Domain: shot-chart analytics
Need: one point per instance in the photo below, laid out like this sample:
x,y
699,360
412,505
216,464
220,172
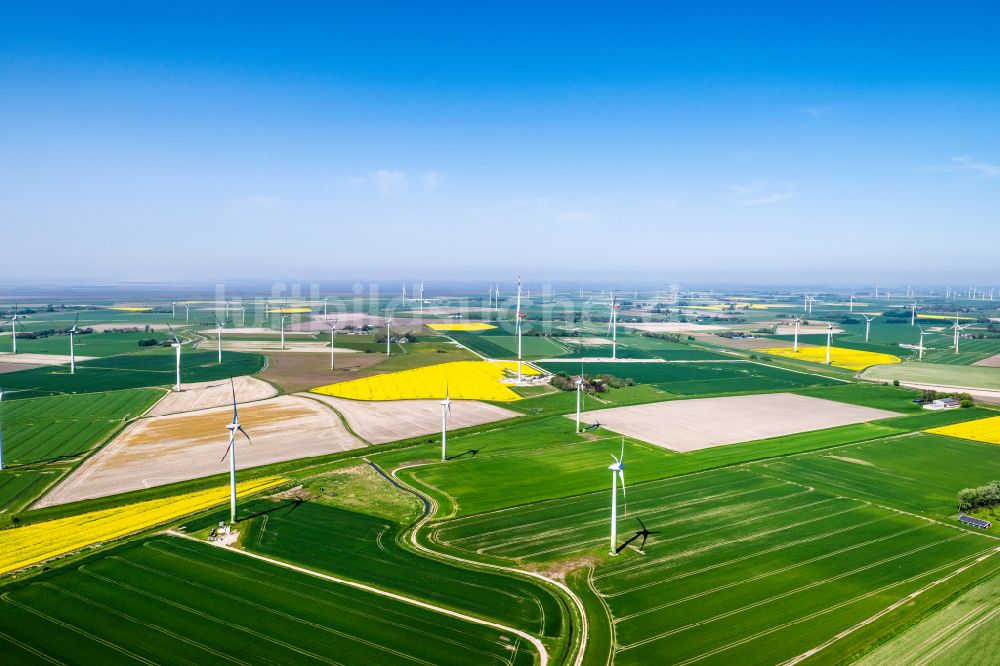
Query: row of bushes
x,y
591,383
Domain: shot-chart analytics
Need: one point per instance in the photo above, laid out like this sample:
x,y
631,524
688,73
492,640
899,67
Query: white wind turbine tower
x,y
868,325
913,313
231,452
617,474
13,321
187,313
795,340
852,304
282,324
517,327
326,302
173,310
333,340
920,348
388,336
579,398
218,323
805,302
176,344
958,329
72,349
829,340
243,315
613,326
445,413
811,301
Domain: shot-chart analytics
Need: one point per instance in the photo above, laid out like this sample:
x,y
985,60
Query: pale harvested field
x,y
167,449
264,346
806,330
390,420
40,359
991,362
584,341
249,331
701,423
674,327
6,366
751,343
205,395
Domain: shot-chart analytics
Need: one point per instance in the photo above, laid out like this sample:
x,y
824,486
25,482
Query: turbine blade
x,y
232,384
227,450
249,441
623,449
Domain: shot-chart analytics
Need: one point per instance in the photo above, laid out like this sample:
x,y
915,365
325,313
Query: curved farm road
x,y
579,638
542,652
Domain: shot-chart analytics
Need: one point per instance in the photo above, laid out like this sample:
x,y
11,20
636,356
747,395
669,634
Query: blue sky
x,y
755,142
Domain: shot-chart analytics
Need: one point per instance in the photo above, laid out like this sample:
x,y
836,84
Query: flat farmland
x,y
505,346
384,421
204,395
139,370
89,344
969,351
18,487
935,373
362,547
166,449
198,603
689,425
918,472
51,428
745,568
701,378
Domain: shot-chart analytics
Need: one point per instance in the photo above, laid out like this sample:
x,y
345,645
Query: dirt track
x,y
689,425
167,449
205,395
387,421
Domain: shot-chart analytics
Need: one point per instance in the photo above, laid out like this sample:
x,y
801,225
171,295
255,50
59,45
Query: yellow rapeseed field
x,y
131,308
467,380
24,546
468,326
980,430
943,316
290,310
852,359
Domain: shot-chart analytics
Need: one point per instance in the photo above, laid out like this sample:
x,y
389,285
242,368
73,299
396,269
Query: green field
x,y
130,371
699,378
934,373
360,547
168,598
745,566
505,346
963,632
969,351
19,486
91,344
50,428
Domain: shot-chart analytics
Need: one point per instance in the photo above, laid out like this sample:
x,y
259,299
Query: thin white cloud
x,y
817,111
965,164
261,202
390,181
760,193
432,181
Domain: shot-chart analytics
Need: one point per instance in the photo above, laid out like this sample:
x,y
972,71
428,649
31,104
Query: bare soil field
x,y
248,331
689,425
6,366
265,346
40,359
812,329
179,447
751,343
293,373
204,395
386,421
991,362
675,327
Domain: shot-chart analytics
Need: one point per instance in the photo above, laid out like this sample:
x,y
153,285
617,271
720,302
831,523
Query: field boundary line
x,y
885,611
539,646
415,528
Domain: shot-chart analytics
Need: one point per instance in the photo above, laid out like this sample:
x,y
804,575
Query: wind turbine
x,y
613,326
868,325
243,315
617,474
176,344
445,413
333,338
921,347
795,340
13,329
326,302
913,313
72,351
958,329
404,294
517,327
852,304
173,310
231,452
805,302
187,313
283,318
218,323
579,397
388,336
829,340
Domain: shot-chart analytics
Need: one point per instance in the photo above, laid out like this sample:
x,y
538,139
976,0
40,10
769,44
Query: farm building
x,y
943,403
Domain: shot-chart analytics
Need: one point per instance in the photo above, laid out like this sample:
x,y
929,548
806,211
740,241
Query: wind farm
x,y
358,335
